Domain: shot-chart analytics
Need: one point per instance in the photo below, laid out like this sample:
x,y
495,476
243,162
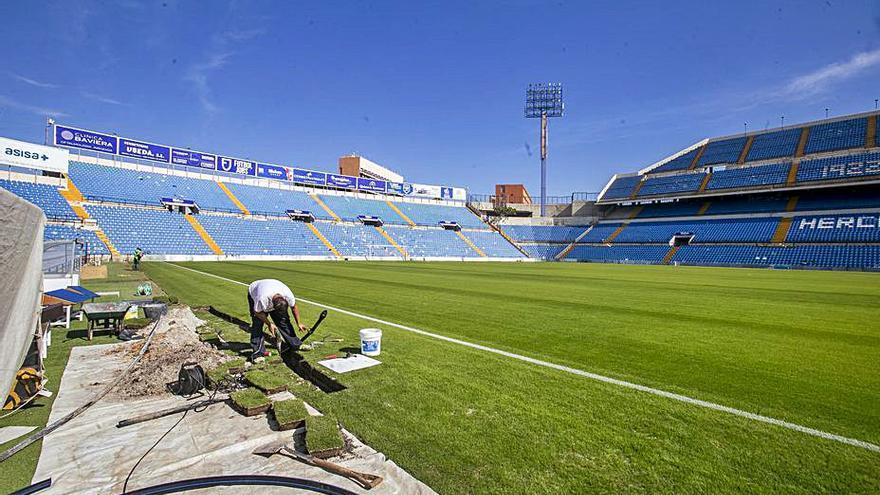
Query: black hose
x,y
36,487
242,480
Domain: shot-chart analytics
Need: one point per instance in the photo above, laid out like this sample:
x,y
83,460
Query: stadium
x,y
702,323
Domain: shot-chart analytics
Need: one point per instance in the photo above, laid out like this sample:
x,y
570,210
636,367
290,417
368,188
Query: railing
x,y
551,200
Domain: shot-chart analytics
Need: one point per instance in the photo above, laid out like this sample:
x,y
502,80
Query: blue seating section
x,y
682,162
47,197
676,209
622,187
543,251
430,242
154,231
837,136
725,230
600,232
348,208
747,205
763,175
431,215
270,201
861,257
491,243
774,144
619,254
654,186
55,232
837,201
543,233
238,236
131,186
835,228
726,151
840,167
356,240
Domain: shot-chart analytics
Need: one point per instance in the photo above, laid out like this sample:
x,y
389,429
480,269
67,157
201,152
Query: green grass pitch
x,y
795,345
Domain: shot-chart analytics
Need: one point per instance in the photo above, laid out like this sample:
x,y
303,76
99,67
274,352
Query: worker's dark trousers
x,y
282,321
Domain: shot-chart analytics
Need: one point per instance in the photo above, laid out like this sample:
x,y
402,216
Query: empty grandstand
x,y
804,196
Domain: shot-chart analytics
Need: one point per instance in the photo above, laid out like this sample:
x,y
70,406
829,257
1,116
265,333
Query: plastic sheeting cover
x,y
21,261
91,455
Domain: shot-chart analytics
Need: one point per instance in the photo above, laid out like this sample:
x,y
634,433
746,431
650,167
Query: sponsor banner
x,y
236,166
342,181
425,191
276,172
445,192
399,188
87,140
459,193
145,151
372,185
309,177
29,155
193,159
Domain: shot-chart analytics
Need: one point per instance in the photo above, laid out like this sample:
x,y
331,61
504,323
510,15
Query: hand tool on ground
x,y
171,410
367,481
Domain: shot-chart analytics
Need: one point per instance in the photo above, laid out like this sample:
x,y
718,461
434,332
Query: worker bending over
x,y
270,297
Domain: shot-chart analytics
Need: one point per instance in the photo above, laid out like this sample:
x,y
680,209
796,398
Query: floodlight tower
x,y
544,101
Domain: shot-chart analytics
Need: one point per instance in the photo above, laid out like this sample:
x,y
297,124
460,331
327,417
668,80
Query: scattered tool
x,y
367,481
171,410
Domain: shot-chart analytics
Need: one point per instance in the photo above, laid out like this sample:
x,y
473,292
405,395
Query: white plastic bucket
x,y
371,341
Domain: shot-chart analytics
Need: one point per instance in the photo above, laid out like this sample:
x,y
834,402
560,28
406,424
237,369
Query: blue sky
x,y
435,90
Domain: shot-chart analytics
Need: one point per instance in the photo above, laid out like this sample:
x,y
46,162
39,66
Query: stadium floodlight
x,y
544,101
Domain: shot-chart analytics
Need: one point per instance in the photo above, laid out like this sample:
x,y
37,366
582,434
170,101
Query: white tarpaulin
x,y
21,261
352,363
91,455
30,155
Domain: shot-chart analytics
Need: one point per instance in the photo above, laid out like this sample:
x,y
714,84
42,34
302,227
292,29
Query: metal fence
x,y
551,200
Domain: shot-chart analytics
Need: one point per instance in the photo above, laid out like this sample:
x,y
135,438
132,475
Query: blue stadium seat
x,y
619,254
430,242
272,201
274,236
675,209
154,231
777,144
839,135
492,244
432,214
622,187
47,197
854,167
122,185
356,240
655,186
827,256
543,233
839,200
726,151
349,208
543,251
742,177
56,232
859,227
724,230
682,162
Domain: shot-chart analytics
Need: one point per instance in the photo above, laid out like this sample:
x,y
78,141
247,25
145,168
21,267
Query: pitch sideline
x,y
593,376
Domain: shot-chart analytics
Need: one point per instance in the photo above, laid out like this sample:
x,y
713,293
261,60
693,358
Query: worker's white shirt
x,y
262,291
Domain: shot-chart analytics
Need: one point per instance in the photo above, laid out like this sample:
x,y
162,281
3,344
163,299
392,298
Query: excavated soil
x,y
175,343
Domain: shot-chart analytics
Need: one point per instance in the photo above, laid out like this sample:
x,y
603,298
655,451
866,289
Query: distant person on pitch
x,y
267,298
